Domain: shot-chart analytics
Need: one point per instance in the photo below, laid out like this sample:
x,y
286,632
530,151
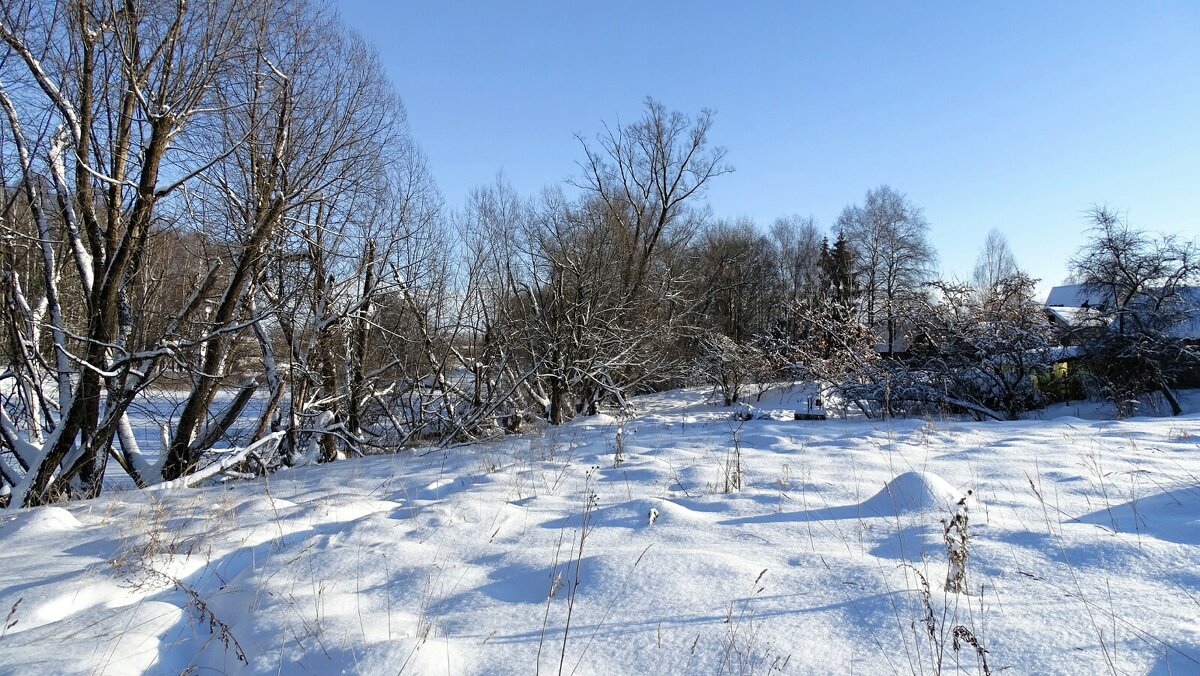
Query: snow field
x,y
1084,552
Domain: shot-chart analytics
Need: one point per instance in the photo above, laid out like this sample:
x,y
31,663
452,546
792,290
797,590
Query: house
x,y
1080,311
1074,307
1070,307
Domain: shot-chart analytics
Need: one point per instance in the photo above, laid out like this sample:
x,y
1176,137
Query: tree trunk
x,y
1172,400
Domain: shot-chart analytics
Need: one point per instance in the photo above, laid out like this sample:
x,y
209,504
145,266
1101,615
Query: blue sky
x,y
1017,116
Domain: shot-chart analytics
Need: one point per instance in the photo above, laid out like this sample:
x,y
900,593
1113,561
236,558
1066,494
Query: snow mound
x,y
48,520
262,504
914,492
599,419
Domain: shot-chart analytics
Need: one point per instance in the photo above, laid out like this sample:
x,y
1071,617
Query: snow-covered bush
x,y
727,365
982,356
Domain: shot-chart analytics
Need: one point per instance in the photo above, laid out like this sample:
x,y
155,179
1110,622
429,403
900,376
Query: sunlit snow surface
x,y
1084,555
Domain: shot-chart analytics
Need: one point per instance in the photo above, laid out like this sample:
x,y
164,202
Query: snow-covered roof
x,y
1073,295
1189,328
1072,316
1071,304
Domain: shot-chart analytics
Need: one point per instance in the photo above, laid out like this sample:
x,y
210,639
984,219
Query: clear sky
x,y
1017,116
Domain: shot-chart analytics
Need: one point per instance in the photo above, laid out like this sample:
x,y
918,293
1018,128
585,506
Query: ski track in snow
x,y
1084,555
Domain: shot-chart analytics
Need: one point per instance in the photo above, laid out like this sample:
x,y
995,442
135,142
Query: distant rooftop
x,y
1072,295
1070,304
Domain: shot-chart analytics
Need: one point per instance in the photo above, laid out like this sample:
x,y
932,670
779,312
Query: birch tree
x,y
894,257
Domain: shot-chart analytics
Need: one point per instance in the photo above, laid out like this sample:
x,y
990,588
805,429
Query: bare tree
x,y
994,263
728,365
798,244
126,84
737,277
500,281
985,356
599,284
351,189
1137,338
566,304
888,235
647,175
204,148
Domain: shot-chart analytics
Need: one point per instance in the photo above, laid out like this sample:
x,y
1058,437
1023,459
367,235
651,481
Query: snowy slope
x,y
1084,557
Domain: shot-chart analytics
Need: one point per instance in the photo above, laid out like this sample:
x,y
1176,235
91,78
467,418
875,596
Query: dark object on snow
x,y
816,410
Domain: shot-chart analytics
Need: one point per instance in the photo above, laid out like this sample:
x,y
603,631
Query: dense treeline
x,y
221,199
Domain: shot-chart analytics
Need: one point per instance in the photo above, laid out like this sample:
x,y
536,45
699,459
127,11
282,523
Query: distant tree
x,y
995,262
736,278
967,355
502,331
819,336
648,175
893,256
1148,287
595,294
839,279
798,250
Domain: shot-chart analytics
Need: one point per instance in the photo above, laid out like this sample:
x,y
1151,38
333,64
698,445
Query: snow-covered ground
x,y
537,553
